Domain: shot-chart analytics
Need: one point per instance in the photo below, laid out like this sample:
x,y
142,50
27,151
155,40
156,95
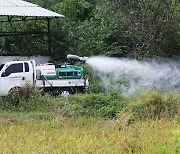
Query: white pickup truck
x,y
59,79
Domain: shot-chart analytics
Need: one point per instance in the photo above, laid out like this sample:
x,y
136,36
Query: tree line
x,y
122,28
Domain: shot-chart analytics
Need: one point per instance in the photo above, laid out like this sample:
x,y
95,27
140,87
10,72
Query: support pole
x,y
49,37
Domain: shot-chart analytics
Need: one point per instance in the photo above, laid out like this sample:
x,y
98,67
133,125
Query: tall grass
x,y
93,123
82,135
150,105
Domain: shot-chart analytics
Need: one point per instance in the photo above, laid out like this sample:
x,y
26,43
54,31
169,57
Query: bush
x,y
29,99
96,105
154,105
150,105
18,94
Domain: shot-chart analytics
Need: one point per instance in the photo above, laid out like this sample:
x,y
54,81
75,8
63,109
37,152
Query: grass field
x,y
88,135
94,123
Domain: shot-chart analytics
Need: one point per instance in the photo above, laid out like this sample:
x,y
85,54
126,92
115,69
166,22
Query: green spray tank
x,y
70,71
67,71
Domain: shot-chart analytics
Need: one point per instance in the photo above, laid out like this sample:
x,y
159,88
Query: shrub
x,y
150,105
154,105
96,105
29,99
24,93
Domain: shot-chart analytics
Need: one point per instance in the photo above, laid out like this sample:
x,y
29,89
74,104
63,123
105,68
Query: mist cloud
x,y
129,75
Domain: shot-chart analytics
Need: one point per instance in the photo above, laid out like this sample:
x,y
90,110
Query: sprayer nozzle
x,y
76,58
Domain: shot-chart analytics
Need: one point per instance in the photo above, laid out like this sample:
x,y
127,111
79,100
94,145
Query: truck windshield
x,y
1,66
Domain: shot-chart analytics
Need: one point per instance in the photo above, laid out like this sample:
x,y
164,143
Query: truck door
x,y
13,76
28,72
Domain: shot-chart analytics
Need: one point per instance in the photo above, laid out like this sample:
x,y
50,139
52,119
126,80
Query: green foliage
x,y
89,35
25,93
135,29
154,105
96,105
75,10
29,99
45,3
154,25
18,43
150,105
140,29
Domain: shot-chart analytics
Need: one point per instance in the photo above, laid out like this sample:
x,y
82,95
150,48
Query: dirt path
x,y
2,121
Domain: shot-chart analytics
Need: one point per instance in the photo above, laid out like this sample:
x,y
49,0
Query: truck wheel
x,y
14,90
14,96
65,92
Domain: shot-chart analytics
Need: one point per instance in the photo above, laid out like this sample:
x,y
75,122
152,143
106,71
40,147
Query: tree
x,y
154,25
89,27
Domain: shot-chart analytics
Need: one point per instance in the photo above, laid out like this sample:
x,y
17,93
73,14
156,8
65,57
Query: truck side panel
x,y
61,83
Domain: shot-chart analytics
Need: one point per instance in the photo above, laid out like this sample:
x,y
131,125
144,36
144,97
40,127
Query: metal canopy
x,y
24,9
18,10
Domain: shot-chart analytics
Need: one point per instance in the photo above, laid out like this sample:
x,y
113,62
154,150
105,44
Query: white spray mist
x,y
129,76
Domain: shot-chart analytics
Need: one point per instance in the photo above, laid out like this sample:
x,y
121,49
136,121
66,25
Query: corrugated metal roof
x,y
25,9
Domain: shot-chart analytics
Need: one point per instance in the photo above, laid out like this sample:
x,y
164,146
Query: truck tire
x,y
14,90
14,96
65,92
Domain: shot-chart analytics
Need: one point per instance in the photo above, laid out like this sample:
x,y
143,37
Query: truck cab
x,y
15,74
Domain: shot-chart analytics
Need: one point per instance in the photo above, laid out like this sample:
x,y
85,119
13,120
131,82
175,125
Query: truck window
x,y
38,74
26,67
14,68
2,65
